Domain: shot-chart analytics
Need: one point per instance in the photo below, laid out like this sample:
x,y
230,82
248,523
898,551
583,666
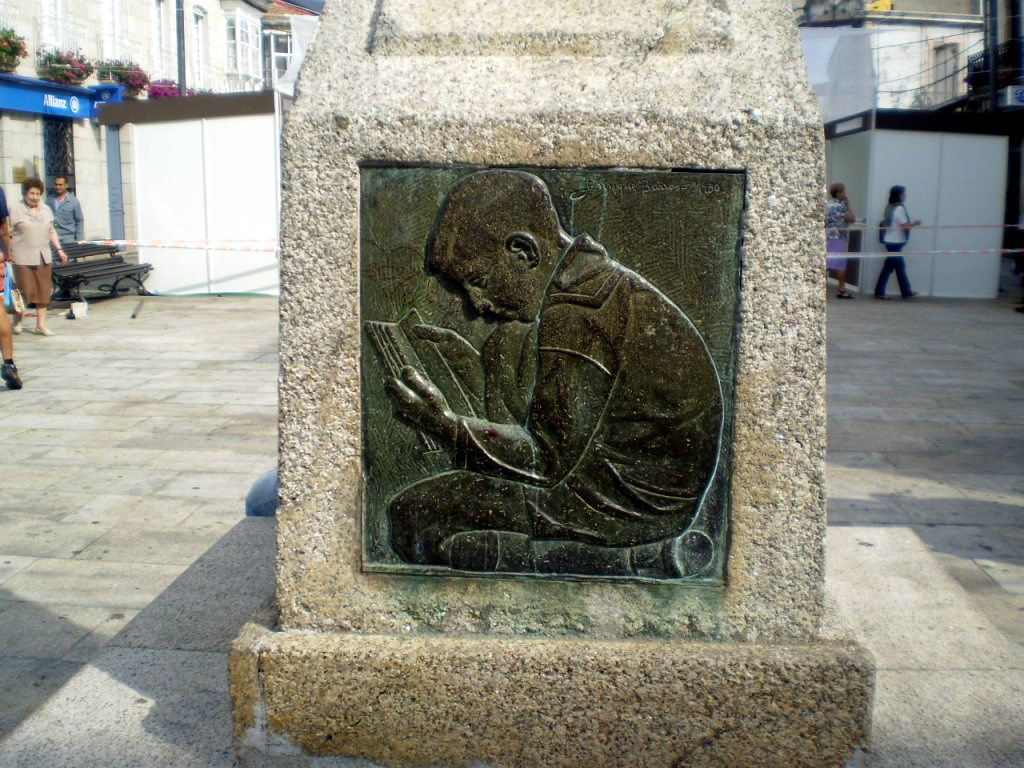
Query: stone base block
x,y
558,703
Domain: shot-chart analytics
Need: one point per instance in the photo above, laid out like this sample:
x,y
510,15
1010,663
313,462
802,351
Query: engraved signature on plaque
x,y
578,432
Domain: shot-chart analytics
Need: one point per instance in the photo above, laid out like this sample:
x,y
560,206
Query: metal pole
x,y
179,13
1015,34
992,33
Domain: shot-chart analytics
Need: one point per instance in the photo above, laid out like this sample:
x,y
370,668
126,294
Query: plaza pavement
x,y
126,567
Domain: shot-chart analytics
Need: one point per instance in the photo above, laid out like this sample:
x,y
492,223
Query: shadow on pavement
x,y
28,681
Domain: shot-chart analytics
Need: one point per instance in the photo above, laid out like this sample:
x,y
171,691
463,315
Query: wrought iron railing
x,y
54,32
1008,66
8,17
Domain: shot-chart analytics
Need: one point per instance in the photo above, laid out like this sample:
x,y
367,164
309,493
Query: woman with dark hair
x,y
837,218
32,237
897,226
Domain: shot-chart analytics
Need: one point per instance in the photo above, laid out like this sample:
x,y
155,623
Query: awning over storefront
x,y
41,97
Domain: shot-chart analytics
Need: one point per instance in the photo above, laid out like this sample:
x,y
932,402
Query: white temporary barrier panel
x,y
840,68
956,186
211,181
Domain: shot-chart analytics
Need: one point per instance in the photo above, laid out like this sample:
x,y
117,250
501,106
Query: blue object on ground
x,y
261,500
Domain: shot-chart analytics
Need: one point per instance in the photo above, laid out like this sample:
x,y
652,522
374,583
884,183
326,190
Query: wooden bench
x,y
99,266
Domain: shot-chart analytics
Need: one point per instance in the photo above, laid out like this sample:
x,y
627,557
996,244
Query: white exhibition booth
x,y
956,186
212,181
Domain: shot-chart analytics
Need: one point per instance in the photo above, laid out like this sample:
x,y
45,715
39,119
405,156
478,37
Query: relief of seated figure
x,y
602,415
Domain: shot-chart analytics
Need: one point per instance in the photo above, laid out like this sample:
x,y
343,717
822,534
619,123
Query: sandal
x,y
844,295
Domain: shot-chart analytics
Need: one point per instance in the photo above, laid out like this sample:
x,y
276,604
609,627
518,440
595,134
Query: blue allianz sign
x,y
25,94
1013,96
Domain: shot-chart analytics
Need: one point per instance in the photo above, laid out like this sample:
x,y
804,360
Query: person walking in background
x,y
897,226
837,216
32,237
67,212
8,370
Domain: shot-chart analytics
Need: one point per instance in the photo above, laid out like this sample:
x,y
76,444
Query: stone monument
x,y
552,397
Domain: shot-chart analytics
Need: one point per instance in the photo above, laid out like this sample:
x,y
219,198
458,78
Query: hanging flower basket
x,y
67,67
126,73
12,50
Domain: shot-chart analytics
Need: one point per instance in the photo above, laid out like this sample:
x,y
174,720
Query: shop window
x,y
59,150
158,44
278,55
200,44
946,82
243,51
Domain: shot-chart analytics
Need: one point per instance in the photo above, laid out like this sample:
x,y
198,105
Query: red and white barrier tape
x,y
254,246
271,246
885,254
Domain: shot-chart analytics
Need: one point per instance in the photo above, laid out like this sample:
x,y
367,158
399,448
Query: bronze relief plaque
x,y
548,370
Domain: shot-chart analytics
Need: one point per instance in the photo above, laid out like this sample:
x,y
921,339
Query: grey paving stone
x,y
91,582
218,461
1008,573
46,631
117,509
954,462
906,609
211,485
973,541
25,685
947,719
876,510
149,542
207,605
12,564
86,649
161,424
218,511
32,502
126,480
960,512
859,459
132,708
69,455
884,441
33,537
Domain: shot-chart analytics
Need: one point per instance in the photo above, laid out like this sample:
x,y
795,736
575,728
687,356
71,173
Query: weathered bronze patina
x,y
547,370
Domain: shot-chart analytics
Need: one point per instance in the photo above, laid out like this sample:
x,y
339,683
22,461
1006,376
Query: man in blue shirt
x,y
67,212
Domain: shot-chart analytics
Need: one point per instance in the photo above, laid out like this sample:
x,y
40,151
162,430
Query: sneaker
x,y
910,295
9,373
16,328
44,332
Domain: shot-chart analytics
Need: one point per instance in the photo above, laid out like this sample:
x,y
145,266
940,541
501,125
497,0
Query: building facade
x,y
49,128
920,49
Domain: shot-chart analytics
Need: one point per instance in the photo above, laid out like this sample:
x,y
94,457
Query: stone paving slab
x,y
907,610
947,719
131,708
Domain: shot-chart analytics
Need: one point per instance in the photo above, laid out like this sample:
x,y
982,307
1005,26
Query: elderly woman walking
x,y
32,236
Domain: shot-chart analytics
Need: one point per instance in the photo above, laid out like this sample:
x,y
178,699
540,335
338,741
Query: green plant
x,y
127,73
12,49
68,67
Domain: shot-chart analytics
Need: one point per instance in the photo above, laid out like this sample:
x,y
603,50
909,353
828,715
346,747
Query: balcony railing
x,y
8,17
124,52
831,11
55,32
1008,67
